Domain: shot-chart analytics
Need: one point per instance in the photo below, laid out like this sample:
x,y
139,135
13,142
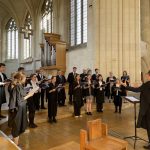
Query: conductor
x,y
144,112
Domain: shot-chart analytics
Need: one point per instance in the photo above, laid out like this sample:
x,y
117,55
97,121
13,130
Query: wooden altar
x,y
53,54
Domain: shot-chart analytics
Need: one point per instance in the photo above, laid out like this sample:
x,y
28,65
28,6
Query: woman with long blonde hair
x,y
17,106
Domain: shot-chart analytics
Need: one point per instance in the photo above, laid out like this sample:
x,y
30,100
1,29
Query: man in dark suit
x,y
144,112
41,77
61,80
3,78
96,75
94,79
71,79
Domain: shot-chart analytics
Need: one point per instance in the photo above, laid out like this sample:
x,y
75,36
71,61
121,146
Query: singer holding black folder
x,y
144,112
52,100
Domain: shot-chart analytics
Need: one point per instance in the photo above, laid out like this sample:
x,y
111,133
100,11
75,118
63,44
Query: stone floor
x,y
65,133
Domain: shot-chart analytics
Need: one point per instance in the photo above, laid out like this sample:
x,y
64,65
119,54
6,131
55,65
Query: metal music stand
x,y
134,101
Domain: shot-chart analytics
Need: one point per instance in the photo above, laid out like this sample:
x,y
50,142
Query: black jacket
x,y
144,104
2,90
60,79
88,89
71,78
39,77
77,92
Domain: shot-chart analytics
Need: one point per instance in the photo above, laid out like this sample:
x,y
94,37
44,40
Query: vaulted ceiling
x,y
18,8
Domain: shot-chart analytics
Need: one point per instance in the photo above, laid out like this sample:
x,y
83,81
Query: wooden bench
x,y
97,138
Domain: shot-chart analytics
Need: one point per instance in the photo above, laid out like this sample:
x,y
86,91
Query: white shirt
x,y
34,85
117,85
100,83
2,77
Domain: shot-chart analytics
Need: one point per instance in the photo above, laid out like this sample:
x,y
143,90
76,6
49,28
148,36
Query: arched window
x,y
12,39
47,16
27,43
78,22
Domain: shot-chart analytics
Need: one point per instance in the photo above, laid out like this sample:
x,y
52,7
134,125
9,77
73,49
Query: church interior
x,y
80,59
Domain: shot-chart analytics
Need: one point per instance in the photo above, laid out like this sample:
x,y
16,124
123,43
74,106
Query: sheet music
x,y
133,99
34,90
1,83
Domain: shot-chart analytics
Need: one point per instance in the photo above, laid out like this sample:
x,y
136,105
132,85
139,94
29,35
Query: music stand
x,y
134,101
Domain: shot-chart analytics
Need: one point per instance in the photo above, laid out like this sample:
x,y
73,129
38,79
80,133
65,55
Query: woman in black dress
x,y
77,97
100,93
117,93
125,79
52,100
17,106
33,101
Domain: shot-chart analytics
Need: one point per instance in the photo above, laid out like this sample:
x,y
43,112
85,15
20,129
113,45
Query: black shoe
x,y
87,113
101,111
54,120
43,108
2,117
50,121
146,147
90,113
32,125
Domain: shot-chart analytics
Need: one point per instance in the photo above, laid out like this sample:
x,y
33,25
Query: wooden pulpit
x,y
53,54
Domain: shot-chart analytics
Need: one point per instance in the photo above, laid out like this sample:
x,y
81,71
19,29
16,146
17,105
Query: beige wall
x,y
119,36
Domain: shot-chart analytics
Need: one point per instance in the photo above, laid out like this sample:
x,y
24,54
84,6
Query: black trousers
x,y
99,106
42,98
52,108
77,107
61,97
36,100
70,98
116,108
31,108
0,108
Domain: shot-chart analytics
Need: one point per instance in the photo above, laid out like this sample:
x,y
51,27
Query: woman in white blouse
x,y
33,102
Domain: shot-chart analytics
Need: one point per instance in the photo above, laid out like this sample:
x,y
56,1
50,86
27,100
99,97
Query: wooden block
x,y
83,139
95,129
104,129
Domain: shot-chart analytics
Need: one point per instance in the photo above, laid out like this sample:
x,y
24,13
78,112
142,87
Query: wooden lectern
x,y
53,54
